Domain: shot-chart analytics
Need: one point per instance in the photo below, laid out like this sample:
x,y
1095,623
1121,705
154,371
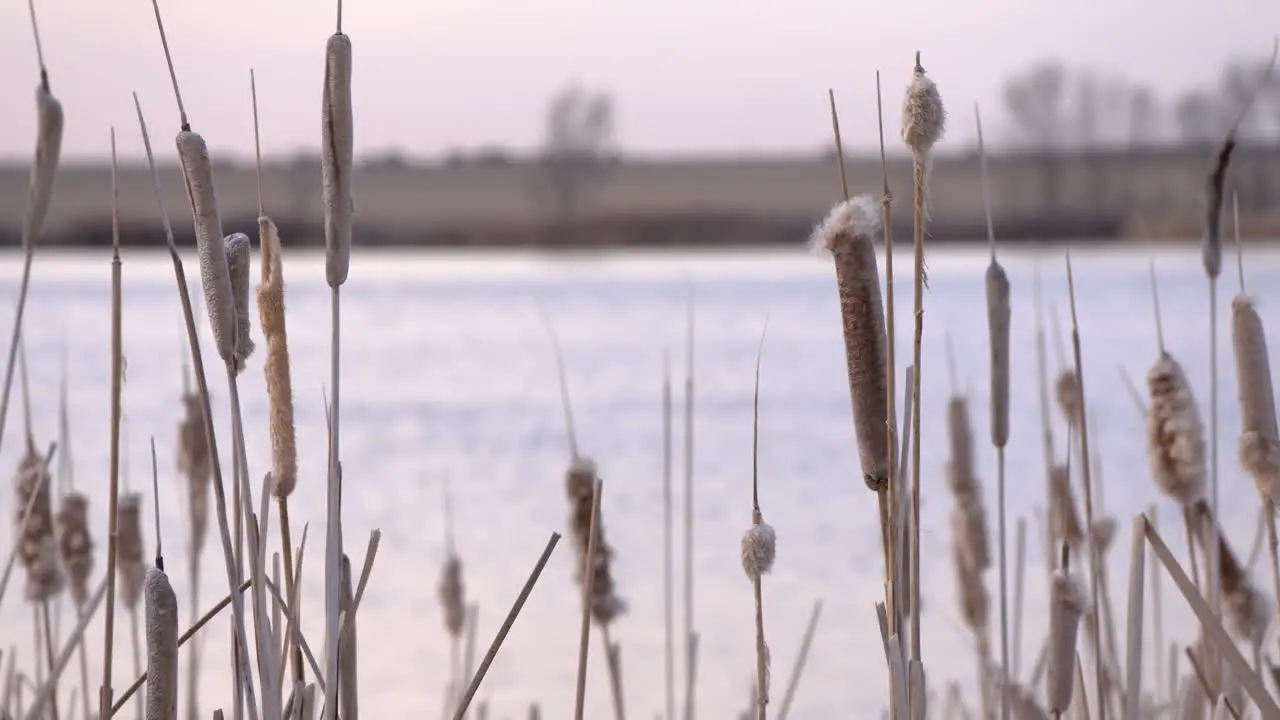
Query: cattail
x,y
580,479
196,464
1022,706
971,593
1066,608
130,557
162,646
1175,437
923,115
1258,447
453,597
1064,518
237,249
337,156
1103,533
969,530
49,121
218,295
998,317
848,233
759,548
37,543
284,449
75,544
960,473
1067,392
1246,609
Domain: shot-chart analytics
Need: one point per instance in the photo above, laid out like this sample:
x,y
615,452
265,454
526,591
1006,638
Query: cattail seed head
x,y
284,447
960,474
998,318
237,248
580,480
453,596
337,155
75,544
923,116
1064,518
196,465
130,556
162,646
1258,447
1175,437
1067,392
759,548
971,593
969,530
848,233
215,278
1066,608
37,543
49,119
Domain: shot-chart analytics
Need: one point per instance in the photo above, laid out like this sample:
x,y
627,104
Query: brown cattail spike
x,y
580,479
849,233
196,465
75,544
971,593
998,319
237,247
337,155
37,543
1066,608
284,449
1067,394
130,556
162,646
1258,447
212,252
1175,436
961,476
969,532
453,596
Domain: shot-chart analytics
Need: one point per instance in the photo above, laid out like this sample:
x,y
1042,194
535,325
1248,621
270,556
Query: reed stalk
x,y
668,598
587,592
690,629
891,416
759,549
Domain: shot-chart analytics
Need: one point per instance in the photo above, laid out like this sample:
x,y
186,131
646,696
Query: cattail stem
x,y
690,631
668,639
762,662
49,642
1273,548
613,662
286,543
918,171
588,582
1019,585
117,377
886,222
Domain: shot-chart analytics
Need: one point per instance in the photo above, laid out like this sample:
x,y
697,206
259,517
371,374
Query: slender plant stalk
x,y
492,652
613,662
690,630
886,211
1133,660
49,642
1019,589
1088,495
587,587
668,654
918,174
1163,693
117,376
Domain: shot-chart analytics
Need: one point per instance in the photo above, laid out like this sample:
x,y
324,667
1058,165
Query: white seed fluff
x,y
759,548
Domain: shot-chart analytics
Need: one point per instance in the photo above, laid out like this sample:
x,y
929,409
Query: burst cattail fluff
x,y
37,543
452,596
1258,447
337,155
759,548
1245,608
130,556
218,297
196,464
580,480
960,474
1175,437
237,247
971,593
1066,607
49,121
1067,392
998,317
848,233
1064,518
284,448
162,646
923,116
75,544
969,532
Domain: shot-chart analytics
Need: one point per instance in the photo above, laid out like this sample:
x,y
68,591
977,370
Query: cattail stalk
x,y
690,630
117,377
668,598
759,549
587,592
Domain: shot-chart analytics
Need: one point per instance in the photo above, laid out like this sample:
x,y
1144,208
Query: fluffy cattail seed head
x,y
848,233
1175,437
998,318
162,646
453,596
37,543
1066,608
1064,519
130,556
580,480
284,447
196,466
970,591
1067,392
1258,447
75,544
923,116
759,548
237,247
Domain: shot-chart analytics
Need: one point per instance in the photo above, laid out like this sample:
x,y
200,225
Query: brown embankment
x,y
744,201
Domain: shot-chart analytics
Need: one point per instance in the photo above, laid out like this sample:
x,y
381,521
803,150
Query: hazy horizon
x,y
715,79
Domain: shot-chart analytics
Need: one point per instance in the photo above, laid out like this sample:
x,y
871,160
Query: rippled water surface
x,y
447,374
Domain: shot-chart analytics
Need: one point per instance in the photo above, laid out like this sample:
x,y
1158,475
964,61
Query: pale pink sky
x,y
709,76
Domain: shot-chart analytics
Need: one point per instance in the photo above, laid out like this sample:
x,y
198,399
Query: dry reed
x,y
162,646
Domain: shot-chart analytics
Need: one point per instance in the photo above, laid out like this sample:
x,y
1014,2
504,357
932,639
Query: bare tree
x,y
578,140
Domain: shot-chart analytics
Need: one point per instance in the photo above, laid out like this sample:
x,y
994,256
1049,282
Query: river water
x,y
448,374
